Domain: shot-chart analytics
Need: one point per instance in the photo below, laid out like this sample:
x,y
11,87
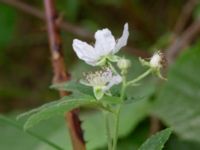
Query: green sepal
x,y
144,62
101,62
98,92
113,58
157,72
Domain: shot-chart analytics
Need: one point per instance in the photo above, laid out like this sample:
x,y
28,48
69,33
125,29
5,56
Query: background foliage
x,y
25,73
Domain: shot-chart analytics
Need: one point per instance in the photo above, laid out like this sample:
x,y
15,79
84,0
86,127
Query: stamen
x,y
99,78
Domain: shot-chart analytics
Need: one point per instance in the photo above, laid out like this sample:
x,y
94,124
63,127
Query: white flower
x,y
101,81
105,46
156,60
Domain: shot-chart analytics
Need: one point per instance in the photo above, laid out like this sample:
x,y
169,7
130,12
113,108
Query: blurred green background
x,y
26,72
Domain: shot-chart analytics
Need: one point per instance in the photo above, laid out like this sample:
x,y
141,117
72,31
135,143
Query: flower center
x,y
99,78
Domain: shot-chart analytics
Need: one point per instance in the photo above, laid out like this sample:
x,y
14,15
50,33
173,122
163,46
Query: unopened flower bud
x,y
123,64
156,60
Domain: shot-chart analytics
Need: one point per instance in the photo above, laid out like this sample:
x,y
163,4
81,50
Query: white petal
x,y
105,42
122,41
85,51
115,80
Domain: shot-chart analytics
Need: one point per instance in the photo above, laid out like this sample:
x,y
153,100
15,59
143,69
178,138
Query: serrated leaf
x,y
178,104
58,108
35,110
53,129
73,86
157,141
18,126
72,96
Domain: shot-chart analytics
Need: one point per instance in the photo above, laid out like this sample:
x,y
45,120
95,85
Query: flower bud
x,y
123,64
156,61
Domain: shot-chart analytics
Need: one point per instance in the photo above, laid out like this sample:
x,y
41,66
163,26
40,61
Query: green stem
x,y
116,128
105,108
123,88
112,68
118,114
124,85
139,77
107,125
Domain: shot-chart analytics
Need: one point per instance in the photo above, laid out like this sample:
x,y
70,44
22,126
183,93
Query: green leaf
x,y
15,138
45,106
58,108
20,127
73,86
111,100
157,141
178,104
36,110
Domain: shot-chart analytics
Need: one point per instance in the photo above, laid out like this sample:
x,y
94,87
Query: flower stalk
x,y
142,76
117,115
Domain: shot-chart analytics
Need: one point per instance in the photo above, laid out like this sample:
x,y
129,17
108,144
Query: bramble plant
x,y
96,88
